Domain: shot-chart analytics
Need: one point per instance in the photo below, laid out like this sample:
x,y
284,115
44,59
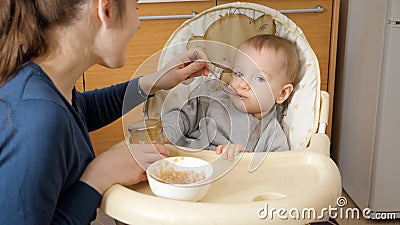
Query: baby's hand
x,y
229,151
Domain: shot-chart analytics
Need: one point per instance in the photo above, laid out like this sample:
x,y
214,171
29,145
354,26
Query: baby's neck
x,y
260,115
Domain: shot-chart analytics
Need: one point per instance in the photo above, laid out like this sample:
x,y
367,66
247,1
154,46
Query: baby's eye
x,y
238,74
260,79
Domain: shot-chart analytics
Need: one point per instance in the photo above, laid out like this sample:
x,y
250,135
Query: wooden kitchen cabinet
x,y
150,38
79,85
319,28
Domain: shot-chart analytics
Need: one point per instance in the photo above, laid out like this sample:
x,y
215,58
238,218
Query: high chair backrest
x,y
232,24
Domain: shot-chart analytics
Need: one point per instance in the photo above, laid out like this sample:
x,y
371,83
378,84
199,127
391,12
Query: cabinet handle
x,y
317,9
168,17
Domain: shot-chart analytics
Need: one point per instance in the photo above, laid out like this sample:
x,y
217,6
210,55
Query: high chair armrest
x,y
320,143
324,113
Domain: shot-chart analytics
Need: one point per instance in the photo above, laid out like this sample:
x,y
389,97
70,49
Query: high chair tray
x,y
291,180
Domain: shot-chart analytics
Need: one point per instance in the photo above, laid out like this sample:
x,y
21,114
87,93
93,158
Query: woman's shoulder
x,y
36,123
31,84
40,115
31,99
38,85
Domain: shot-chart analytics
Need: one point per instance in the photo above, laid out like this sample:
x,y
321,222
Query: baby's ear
x,y
284,94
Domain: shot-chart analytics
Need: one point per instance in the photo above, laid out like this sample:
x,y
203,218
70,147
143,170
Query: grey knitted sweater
x,y
205,123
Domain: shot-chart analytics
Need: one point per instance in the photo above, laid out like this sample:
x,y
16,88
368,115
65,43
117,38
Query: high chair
x,y
292,184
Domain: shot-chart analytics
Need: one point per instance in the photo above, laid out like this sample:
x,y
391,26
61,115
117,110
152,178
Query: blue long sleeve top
x,y
45,147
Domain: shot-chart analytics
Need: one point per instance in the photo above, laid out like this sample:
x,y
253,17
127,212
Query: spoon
x,y
225,87
212,70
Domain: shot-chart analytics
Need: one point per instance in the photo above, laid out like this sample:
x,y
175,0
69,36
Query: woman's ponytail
x,y
21,36
22,29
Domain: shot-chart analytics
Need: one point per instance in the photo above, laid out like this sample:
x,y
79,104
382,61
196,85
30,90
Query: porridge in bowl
x,y
180,178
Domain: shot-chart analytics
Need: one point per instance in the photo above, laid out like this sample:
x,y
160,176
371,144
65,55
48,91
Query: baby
x,y
266,69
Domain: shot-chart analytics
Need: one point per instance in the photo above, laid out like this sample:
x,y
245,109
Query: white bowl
x,y
186,192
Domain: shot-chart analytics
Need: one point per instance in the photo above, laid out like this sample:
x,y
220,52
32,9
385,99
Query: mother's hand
x,y
184,66
123,165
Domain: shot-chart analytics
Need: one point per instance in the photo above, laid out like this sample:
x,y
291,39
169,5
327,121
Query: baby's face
x,y
258,79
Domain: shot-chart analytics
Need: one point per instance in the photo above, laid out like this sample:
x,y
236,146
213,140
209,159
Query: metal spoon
x,y
225,87
212,70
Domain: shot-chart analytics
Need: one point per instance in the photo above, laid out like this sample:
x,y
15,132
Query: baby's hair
x,y
279,44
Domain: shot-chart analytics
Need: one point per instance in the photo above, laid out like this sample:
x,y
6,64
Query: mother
x,y
48,171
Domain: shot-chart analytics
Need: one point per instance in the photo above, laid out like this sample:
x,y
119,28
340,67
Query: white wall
x,y
361,35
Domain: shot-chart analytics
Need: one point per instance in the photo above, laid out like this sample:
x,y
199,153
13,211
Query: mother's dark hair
x,y
22,29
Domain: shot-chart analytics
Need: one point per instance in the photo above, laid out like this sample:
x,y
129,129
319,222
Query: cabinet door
x,y
150,38
79,85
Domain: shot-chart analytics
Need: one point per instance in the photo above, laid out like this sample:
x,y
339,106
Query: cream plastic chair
x,y
297,182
